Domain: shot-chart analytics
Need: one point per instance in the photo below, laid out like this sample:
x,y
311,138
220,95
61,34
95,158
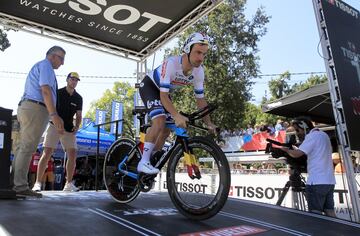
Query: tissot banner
x,y
128,24
116,114
343,26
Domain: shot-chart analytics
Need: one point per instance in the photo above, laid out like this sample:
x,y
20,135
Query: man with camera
x,y
321,180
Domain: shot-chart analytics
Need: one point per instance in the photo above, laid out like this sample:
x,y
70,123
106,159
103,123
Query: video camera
x,y
298,164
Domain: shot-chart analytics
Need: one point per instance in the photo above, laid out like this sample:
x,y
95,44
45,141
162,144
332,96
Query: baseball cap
x,y
73,75
335,156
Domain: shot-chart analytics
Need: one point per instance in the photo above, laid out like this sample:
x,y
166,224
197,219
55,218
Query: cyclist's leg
x,y
162,135
158,124
150,96
160,141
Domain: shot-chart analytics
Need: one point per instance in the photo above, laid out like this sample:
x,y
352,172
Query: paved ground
x,y
96,213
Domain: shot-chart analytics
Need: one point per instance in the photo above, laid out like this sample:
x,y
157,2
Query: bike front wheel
x,y
203,197
121,186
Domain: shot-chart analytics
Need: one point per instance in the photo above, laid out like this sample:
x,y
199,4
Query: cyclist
x,y
155,90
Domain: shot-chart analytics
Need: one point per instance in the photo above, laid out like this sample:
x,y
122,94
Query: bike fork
x,y
190,162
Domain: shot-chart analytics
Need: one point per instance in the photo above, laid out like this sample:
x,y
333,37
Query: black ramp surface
x,y
96,213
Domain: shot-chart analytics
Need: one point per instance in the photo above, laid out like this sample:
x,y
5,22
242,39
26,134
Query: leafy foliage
x,y
279,87
255,116
4,41
311,81
121,92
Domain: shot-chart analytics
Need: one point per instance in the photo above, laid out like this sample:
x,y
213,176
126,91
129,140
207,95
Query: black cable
x,y
83,76
295,73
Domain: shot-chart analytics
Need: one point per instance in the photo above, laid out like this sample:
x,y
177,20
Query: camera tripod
x,y
297,183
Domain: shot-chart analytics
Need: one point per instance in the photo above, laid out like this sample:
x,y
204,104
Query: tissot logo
x,y
88,7
131,25
345,8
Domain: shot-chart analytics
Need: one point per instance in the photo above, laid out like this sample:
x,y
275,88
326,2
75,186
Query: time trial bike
x,y
197,176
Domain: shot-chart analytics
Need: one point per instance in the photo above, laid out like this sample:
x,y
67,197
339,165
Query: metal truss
x,y
338,110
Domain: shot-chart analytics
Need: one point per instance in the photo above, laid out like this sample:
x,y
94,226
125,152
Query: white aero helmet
x,y
195,38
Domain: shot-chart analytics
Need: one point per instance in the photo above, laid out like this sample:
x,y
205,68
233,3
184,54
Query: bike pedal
x,y
146,184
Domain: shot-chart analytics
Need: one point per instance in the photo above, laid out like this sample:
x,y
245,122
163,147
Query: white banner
x,y
253,187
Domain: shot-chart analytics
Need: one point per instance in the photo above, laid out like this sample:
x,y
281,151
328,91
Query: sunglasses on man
x,y
74,78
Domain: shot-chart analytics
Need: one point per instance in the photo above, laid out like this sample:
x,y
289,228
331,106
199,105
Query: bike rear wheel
x,y
199,199
122,188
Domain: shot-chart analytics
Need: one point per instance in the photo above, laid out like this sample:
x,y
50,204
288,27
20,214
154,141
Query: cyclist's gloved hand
x,y
180,120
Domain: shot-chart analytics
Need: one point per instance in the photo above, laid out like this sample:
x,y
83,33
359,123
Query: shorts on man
x,y
52,137
320,197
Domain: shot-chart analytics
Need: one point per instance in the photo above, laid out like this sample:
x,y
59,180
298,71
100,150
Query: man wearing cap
x,y
320,182
69,104
36,107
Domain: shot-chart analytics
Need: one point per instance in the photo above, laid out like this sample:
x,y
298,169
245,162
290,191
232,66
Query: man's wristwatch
x,y
53,113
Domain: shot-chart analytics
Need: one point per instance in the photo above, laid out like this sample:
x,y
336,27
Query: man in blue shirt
x,y
37,105
69,103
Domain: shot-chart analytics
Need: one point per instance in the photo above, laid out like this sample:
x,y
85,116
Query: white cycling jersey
x,y
170,76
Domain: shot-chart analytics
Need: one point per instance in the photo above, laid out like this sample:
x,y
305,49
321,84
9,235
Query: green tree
x,y
121,92
4,41
311,81
279,87
231,61
251,114
255,116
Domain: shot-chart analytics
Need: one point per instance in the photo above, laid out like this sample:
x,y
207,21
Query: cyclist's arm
x,y
201,102
166,102
180,120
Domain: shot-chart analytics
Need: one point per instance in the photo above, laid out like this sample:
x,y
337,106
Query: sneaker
x,y
28,193
70,187
147,168
37,187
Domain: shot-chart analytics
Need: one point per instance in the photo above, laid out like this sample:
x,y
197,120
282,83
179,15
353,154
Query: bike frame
x,y
181,137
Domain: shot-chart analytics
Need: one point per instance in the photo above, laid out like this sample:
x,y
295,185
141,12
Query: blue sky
x,y
290,44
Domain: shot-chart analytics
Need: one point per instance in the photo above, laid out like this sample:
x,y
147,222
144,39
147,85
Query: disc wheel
x,y
122,188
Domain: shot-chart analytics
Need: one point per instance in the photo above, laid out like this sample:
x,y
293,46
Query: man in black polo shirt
x,y
69,103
